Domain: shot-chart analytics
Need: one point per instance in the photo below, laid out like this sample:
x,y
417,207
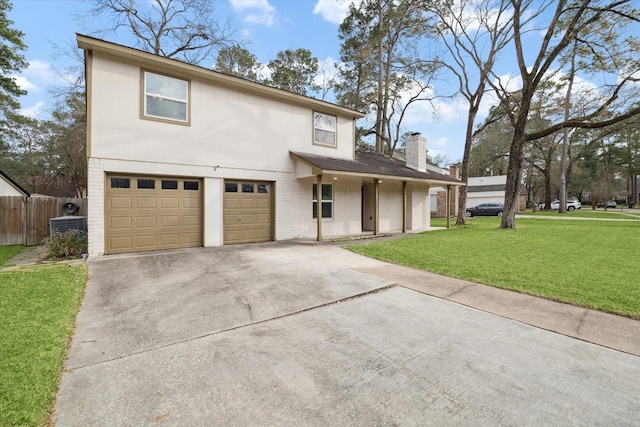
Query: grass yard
x,y
593,264
7,252
590,213
37,312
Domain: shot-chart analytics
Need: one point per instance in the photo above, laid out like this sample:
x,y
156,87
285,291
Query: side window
x,y
327,201
165,98
324,129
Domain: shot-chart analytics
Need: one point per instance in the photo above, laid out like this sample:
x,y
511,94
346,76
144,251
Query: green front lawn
x,y
8,252
590,213
588,263
37,313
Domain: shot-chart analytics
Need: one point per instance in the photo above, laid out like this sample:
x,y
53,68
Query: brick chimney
x,y
454,171
416,152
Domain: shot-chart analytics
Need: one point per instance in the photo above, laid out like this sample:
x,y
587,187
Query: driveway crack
x,y
233,328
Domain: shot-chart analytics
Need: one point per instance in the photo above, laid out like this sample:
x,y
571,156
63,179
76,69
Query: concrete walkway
x,y
608,330
311,334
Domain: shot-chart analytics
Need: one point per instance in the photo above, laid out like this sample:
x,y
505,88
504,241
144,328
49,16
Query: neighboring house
x,y
480,189
439,195
486,189
181,156
8,187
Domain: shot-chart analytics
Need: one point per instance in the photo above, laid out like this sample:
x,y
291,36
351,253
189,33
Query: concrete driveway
x,y
292,334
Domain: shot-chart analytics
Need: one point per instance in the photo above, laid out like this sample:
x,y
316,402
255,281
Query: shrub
x,y
71,243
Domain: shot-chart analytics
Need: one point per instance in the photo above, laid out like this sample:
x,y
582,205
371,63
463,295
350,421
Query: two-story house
x,y
181,156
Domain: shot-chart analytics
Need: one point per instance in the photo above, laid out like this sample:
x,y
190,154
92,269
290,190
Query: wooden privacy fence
x,y
25,220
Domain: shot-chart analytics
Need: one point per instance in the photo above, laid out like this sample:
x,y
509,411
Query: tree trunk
x,y
547,188
379,112
464,173
565,135
514,173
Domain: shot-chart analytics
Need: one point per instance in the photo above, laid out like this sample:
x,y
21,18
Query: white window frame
x,y
321,125
315,201
163,97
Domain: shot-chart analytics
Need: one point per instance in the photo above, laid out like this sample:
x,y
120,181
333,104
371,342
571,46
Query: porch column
x,y
376,207
404,206
448,210
319,205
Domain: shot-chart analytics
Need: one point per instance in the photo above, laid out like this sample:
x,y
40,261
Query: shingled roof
x,y
372,164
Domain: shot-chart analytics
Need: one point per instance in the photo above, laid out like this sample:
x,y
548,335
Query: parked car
x,y
610,204
486,209
572,205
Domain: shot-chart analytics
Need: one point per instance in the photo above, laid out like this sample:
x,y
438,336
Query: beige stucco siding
x,y
419,210
390,207
228,128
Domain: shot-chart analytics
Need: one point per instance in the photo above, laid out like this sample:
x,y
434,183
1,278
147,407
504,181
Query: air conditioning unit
x,y
62,224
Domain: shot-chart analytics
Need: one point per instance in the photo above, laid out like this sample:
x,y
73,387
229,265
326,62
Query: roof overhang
x,y
350,169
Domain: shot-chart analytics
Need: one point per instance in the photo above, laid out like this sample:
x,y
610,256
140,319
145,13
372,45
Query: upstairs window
x,y
165,98
324,129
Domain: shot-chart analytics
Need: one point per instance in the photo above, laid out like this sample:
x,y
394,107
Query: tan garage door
x,y
248,212
145,213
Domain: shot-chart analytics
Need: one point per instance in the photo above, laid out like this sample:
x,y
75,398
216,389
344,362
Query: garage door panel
x,y
248,203
247,235
190,220
169,221
169,202
146,222
231,236
120,223
263,219
122,243
190,238
145,202
247,219
171,240
264,233
157,217
263,203
191,203
146,241
120,203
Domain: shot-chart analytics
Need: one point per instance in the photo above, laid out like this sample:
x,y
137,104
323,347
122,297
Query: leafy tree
x,y
383,70
28,158
599,32
181,29
295,71
68,141
626,152
11,61
239,62
473,33
489,153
